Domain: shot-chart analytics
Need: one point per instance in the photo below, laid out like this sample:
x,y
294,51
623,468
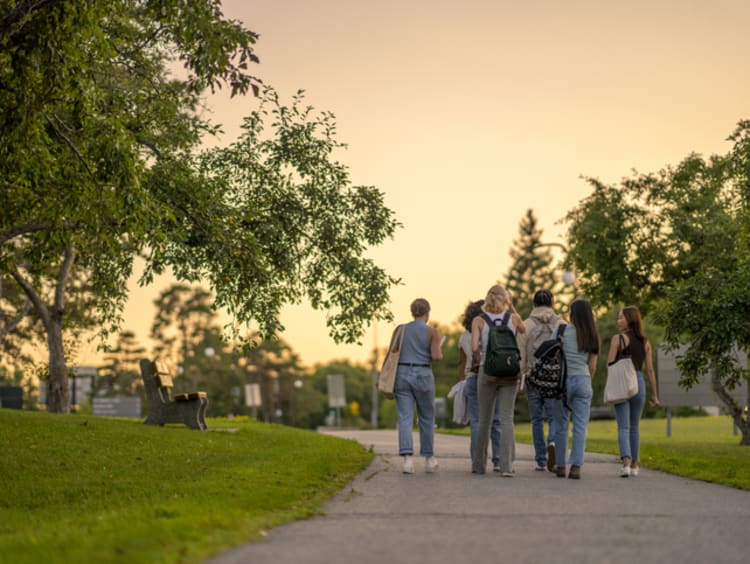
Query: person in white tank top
x,y
491,389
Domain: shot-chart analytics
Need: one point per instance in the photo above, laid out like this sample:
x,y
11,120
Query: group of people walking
x,y
490,400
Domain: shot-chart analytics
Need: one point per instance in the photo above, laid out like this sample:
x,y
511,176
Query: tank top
x,y
577,361
415,348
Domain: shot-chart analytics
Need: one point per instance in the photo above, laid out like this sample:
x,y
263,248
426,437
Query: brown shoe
x,y
575,473
559,471
551,457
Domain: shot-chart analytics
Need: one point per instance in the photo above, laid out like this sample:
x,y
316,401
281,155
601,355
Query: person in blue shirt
x,y
415,383
581,349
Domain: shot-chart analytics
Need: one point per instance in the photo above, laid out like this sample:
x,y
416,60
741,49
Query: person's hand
x,y
654,402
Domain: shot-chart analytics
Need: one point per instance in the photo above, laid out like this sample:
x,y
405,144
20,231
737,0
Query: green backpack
x,y
502,359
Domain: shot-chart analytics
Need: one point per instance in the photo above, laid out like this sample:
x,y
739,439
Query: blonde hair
x,y
497,300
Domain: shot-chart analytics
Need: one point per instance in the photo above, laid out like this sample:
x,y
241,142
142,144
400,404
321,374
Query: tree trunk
x,y
58,392
739,416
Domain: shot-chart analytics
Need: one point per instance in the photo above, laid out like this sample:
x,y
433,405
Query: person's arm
x,y
435,351
476,334
592,364
522,346
518,322
654,402
613,344
461,364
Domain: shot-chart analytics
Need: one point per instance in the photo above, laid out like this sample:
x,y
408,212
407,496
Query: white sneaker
x,y
408,465
624,471
430,464
634,470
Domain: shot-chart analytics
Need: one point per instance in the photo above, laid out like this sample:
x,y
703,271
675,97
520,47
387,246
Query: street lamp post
x,y
569,276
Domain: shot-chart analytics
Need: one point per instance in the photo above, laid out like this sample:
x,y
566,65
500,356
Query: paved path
x,y
455,517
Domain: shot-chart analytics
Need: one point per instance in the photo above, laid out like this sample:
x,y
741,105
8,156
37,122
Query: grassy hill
x,y
95,489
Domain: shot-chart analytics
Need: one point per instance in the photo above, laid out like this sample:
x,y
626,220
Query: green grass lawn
x,y
703,448
95,489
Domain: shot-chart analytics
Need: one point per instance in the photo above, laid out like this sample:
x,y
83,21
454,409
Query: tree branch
x,y
54,123
10,327
41,309
62,277
33,227
23,12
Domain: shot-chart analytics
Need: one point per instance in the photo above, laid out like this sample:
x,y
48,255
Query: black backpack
x,y
549,374
502,359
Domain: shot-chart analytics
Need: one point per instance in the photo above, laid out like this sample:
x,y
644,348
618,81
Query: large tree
x,y
533,266
97,166
675,243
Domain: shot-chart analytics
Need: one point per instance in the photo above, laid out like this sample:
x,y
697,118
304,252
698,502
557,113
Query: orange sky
x,y
467,113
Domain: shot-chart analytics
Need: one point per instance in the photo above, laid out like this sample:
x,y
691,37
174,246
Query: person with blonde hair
x,y
415,383
498,307
628,412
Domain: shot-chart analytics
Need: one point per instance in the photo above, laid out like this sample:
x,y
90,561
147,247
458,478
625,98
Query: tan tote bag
x,y
387,377
622,380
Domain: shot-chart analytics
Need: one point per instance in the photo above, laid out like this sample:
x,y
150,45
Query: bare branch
x,y
62,277
31,293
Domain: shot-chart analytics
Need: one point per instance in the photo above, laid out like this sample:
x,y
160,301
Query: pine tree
x,y
532,268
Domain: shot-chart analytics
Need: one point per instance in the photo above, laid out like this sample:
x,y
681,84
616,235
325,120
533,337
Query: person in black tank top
x,y
629,412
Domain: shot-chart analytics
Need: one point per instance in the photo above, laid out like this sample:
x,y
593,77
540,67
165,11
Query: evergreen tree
x,y
532,268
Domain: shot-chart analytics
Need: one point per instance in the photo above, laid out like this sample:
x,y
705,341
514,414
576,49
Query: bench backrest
x,y
161,375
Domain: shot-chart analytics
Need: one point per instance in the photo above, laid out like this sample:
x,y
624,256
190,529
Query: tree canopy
x,y
98,165
675,243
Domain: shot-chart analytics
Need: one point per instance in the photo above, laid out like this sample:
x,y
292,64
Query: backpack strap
x,y
506,319
560,331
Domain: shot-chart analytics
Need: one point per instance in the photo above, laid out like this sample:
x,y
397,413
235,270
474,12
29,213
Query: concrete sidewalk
x,y
455,517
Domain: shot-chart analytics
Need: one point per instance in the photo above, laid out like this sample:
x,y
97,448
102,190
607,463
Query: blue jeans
x,y
472,406
628,415
415,384
579,394
538,408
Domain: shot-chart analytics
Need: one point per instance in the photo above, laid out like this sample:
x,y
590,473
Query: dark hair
x,y
587,335
635,325
472,310
543,298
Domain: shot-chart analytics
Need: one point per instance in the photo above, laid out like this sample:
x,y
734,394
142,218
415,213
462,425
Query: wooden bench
x,y
189,409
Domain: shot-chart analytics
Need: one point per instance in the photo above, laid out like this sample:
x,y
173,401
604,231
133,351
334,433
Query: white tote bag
x,y
622,380
387,377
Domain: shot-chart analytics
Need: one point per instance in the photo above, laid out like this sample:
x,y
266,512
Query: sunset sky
x,y
468,113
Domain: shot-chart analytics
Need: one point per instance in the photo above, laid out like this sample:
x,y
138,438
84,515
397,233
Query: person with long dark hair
x,y
468,371
629,412
581,349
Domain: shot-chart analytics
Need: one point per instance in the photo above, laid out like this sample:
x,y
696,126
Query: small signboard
x,y
117,407
252,395
336,390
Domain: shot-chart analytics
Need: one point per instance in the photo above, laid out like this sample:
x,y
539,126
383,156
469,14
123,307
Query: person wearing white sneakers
x,y
415,383
629,412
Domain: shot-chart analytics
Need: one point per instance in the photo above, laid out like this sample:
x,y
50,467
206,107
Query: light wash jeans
x,y
472,406
415,384
540,407
628,415
579,394
488,394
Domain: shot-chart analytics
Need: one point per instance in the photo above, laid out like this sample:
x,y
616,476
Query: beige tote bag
x,y
387,377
